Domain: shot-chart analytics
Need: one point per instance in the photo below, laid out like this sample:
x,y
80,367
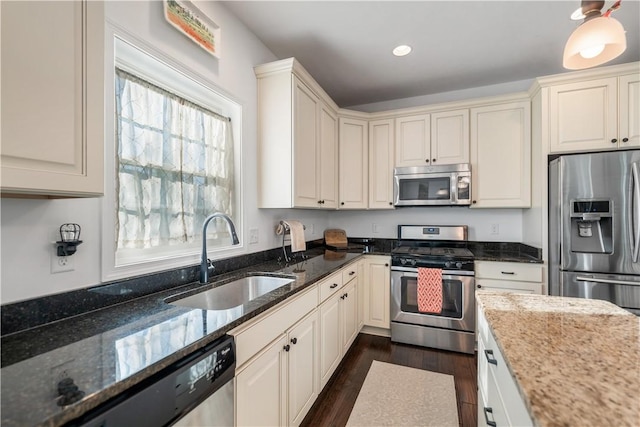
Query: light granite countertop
x,y
575,361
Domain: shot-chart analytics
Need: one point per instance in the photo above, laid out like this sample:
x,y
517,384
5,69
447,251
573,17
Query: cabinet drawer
x,y
349,273
254,337
506,387
509,286
330,285
509,271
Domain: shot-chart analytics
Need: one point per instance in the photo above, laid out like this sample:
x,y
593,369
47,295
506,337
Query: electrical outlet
x,y
495,229
312,229
60,264
253,236
374,227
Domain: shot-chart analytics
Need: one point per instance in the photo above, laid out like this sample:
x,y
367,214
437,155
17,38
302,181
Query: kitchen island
x,y
567,361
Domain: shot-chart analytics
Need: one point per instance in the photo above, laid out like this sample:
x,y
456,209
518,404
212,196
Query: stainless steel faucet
x,y
206,266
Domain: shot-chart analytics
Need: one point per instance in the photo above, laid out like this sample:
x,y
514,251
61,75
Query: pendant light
x,y
599,39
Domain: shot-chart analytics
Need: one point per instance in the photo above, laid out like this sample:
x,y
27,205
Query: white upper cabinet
x,y
439,138
450,137
381,149
53,98
596,114
297,139
501,155
328,152
413,140
629,110
354,163
306,107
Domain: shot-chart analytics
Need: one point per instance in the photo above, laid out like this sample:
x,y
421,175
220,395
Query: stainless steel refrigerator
x,y
594,227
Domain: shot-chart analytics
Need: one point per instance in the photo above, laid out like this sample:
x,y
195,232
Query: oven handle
x,y
413,272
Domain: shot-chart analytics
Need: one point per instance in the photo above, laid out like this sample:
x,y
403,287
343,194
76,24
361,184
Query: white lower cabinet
x,y
279,386
287,354
499,401
377,286
349,312
261,388
330,341
509,277
302,352
338,327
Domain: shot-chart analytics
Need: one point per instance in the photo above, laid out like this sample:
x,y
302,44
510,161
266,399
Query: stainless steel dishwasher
x,y
195,391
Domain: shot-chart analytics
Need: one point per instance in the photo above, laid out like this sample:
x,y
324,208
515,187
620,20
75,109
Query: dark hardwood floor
x,y
333,406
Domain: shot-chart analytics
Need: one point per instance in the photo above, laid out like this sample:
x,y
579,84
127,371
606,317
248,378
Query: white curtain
x,y
174,167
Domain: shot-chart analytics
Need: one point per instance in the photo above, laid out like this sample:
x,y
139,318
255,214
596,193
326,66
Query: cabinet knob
x,y
342,296
474,202
351,273
294,341
427,160
342,203
319,202
390,204
346,295
287,347
433,160
479,286
322,201
625,139
386,265
613,141
335,285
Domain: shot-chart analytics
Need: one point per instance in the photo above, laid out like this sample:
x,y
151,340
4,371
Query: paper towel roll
x,y
297,234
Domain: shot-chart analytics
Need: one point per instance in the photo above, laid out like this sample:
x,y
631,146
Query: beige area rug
x,y
394,395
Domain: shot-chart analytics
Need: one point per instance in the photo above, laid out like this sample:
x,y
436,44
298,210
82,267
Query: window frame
x,y
137,57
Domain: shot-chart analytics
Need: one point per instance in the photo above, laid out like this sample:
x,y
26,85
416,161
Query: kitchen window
x,y
174,162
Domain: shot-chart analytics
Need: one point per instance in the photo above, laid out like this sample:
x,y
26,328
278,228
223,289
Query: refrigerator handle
x,y
635,214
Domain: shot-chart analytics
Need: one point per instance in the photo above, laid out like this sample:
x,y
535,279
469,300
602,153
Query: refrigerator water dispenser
x,y
592,226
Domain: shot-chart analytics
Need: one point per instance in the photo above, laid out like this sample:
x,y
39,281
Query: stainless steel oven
x,y
452,328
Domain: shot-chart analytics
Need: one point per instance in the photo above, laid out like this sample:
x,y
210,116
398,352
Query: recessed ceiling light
x,y
402,50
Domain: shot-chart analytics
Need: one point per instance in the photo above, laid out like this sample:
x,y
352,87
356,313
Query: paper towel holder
x,y
286,231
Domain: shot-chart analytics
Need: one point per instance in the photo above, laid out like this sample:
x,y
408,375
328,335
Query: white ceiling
x,y
346,45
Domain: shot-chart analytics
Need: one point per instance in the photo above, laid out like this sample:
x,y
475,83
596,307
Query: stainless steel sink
x,y
233,294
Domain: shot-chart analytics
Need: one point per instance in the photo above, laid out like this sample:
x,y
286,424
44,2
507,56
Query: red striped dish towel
x,y
429,290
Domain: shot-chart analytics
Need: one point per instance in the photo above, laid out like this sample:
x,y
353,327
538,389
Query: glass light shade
x,y
588,38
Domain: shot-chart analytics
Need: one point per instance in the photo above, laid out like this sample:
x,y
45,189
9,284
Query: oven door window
x,y
452,303
425,188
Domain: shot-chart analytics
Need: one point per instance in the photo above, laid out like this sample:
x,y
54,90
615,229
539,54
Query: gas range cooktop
x,y
433,251
433,247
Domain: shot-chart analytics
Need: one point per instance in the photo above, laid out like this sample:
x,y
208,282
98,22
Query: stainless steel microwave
x,y
442,185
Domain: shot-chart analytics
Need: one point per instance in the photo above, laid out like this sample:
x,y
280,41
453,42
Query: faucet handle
x,y
210,267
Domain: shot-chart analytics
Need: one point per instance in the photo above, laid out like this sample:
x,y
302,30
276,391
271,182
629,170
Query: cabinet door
x,y
328,149
377,292
629,110
583,116
450,137
413,141
354,161
330,340
52,115
381,164
261,388
303,367
501,155
349,302
305,159
360,285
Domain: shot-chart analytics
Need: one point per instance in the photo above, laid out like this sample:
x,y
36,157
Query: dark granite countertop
x,y
107,351
110,349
